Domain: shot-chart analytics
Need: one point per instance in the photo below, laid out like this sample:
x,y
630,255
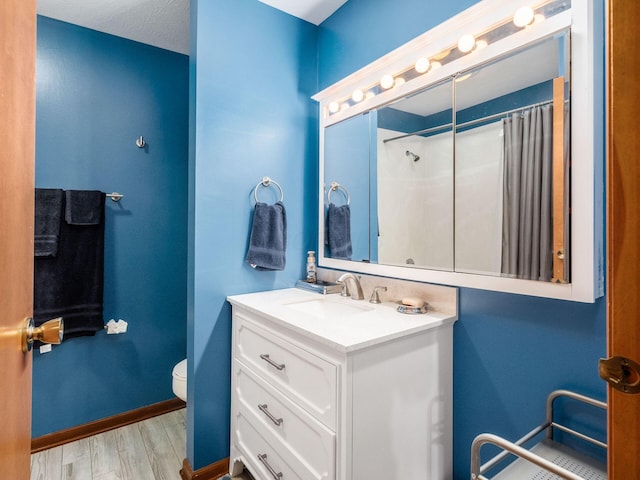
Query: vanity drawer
x,y
299,433
267,458
305,378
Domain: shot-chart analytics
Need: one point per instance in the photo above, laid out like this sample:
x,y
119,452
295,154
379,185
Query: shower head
x,y
412,155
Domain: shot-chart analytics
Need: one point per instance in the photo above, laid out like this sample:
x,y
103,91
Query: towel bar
x,y
115,196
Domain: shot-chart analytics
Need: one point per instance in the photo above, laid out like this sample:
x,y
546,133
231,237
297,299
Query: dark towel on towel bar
x,y
84,207
268,242
48,212
338,232
70,285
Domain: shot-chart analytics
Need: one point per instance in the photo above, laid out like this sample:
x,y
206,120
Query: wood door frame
x,y
623,228
17,159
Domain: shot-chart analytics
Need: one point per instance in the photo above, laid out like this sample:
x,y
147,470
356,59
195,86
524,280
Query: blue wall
x,y
253,70
96,94
361,31
510,351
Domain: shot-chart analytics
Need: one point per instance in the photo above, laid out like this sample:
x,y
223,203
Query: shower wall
x,y
478,199
415,209
96,94
419,220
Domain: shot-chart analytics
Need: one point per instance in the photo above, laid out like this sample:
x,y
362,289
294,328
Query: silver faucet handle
x,y
345,288
375,298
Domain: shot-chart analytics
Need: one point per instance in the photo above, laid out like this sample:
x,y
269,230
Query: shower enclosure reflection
x,y
468,175
415,180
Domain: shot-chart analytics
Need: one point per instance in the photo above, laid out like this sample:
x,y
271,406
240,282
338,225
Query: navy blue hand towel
x,y
268,242
71,284
339,231
84,207
48,212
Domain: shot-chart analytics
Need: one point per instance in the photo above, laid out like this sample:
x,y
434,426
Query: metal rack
x,y
547,458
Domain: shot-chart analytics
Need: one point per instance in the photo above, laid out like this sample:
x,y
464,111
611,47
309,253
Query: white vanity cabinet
x,y
324,390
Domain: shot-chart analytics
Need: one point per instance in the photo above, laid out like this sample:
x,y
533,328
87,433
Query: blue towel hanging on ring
x,y
338,231
268,242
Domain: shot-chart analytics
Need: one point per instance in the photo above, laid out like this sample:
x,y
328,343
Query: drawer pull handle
x,y
265,357
274,474
263,409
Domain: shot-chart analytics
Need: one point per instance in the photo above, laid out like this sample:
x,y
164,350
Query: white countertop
x,y
341,323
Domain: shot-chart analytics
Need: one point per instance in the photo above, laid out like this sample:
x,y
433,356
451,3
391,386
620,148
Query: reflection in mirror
x,y
483,189
346,153
415,180
508,174
522,217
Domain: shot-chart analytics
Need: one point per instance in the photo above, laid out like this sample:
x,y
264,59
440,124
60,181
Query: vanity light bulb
x,y
523,17
435,65
386,81
399,81
466,43
334,107
344,106
357,95
422,65
480,44
370,94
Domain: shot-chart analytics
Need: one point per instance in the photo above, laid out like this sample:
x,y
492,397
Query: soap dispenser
x,y
311,267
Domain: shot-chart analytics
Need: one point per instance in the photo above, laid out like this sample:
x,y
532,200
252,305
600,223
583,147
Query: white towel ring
x,y
335,186
266,182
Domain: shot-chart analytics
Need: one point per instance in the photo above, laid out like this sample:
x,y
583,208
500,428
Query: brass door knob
x,y
621,373
51,331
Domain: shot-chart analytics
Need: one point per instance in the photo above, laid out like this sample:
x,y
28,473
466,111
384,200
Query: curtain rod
x,y
470,122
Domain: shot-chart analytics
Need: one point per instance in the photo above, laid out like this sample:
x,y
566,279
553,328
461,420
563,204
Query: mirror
x,y
347,150
458,176
415,180
506,128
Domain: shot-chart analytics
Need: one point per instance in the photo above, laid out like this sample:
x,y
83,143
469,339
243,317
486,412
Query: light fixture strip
x,y
467,44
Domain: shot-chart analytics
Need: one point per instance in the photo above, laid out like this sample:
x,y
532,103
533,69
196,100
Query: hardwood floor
x,y
149,450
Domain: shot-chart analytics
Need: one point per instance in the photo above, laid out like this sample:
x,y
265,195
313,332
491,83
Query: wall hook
x,y
140,142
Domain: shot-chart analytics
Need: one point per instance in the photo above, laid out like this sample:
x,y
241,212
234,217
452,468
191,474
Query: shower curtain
x,y
527,233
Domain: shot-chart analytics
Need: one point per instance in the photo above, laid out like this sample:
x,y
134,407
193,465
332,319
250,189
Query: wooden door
x,y
623,229
17,147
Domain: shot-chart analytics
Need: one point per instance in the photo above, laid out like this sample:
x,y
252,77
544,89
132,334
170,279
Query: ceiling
x,y
313,11
161,23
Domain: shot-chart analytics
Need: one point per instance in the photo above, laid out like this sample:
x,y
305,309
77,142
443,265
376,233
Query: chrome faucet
x,y
345,287
375,297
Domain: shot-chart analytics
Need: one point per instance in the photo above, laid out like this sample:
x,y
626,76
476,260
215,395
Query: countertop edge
x,y
441,319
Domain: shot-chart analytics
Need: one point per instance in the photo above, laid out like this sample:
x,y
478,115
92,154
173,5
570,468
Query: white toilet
x,y
180,380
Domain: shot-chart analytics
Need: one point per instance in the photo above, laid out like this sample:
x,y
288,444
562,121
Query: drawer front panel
x,y
305,378
266,458
300,433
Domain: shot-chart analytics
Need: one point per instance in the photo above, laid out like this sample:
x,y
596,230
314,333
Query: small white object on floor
x,y
46,348
116,327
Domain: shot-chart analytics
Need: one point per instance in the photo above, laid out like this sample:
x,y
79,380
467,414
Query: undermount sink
x,y
326,307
